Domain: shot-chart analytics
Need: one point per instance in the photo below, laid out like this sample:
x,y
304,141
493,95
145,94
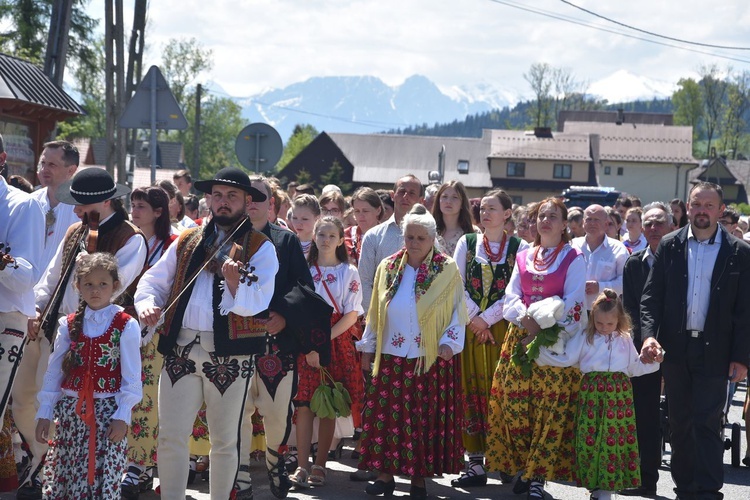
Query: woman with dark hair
x,y
150,212
533,405
386,197
485,261
614,223
177,216
452,215
679,211
368,211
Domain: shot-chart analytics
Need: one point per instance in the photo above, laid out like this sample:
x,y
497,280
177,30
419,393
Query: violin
x,y
6,259
91,221
229,251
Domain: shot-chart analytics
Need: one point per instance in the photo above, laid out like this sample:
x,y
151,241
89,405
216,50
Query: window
x,y
607,170
517,200
463,166
516,169
562,171
619,170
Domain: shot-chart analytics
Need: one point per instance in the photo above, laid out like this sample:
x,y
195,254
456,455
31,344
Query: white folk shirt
x,y
95,324
156,283
22,229
701,259
613,353
344,284
402,335
604,264
64,218
130,259
379,242
494,313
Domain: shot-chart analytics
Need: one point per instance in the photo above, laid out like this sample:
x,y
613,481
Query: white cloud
x,y
259,44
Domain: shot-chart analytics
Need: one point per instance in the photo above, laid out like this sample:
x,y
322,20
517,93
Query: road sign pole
x,y
257,152
152,144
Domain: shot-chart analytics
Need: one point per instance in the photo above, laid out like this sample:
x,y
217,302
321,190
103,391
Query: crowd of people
x,y
470,335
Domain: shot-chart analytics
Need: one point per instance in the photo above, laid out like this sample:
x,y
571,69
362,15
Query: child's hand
x,y
117,430
42,430
313,359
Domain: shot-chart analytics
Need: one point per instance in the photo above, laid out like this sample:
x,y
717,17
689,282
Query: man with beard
x,y
207,340
694,305
657,222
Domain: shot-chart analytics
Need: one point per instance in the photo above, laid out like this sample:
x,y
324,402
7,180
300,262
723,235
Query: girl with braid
x,y
92,382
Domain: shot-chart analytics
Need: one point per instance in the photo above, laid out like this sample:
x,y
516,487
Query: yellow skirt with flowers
x,y
532,419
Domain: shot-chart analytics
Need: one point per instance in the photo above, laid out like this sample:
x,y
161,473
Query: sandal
x,y
300,478
317,476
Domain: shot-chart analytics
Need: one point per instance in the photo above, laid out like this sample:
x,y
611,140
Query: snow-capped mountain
x,y
365,104
624,86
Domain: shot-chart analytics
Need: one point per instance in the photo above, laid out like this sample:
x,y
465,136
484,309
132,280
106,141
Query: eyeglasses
x,y
330,211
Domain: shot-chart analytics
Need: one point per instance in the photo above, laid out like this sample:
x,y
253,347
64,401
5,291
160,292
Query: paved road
x,y
737,481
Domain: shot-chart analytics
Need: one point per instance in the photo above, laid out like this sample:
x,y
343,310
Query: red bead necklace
x,y
544,263
494,257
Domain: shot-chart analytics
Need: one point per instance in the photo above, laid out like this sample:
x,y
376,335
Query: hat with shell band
x,y
89,186
234,177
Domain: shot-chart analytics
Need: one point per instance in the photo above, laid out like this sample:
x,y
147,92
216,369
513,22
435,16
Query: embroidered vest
x,y
536,287
500,272
97,358
190,256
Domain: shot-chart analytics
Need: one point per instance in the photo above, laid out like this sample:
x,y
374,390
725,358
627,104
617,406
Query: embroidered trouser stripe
x,y
12,332
222,382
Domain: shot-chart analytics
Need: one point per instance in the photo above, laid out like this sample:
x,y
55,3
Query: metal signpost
x,y
153,106
258,147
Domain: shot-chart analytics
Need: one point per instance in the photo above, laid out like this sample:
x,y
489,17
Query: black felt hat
x,y
88,186
231,176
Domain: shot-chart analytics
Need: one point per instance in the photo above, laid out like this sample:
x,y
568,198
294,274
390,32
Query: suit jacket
x,y
634,278
664,303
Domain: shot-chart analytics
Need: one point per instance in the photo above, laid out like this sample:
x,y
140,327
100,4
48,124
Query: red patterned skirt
x,y
412,423
344,368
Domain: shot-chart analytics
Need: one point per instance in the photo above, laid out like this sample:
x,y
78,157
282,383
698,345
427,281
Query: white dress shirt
x,y
604,264
156,283
130,260
613,353
378,243
64,218
95,324
701,259
402,335
344,284
494,313
22,229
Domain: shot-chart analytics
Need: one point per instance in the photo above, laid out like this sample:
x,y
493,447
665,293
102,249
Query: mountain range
x,y
365,104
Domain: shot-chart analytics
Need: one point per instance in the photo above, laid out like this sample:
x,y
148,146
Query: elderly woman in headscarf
x,y
415,329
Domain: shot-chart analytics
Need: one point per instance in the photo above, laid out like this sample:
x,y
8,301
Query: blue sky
x,y
261,44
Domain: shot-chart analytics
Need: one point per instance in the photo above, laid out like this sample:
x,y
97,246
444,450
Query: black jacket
x,y
664,303
634,278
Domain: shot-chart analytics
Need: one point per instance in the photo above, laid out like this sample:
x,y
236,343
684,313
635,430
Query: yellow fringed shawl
x,y
439,289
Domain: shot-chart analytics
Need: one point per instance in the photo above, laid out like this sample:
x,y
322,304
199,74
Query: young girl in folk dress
x,y
634,240
338,282
92,382
606,444
485,262
305,211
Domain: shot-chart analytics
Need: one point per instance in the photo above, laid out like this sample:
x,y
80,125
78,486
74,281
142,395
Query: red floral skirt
x,y
344,368
412,423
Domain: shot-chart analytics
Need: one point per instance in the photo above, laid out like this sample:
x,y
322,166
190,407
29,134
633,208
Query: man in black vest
x,y
657,222
694,305
208,336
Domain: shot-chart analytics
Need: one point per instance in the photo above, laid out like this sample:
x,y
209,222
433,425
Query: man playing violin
x,y
94,195
208,334
57,165
21,233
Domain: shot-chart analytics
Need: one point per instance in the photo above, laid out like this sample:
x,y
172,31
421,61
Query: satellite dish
x,y
258,147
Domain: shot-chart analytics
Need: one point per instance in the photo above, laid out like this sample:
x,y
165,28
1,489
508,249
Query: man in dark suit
x,y
657,222
694,306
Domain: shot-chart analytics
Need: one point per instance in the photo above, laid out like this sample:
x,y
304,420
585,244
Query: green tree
x,y
713,94
540,78
304,177
737,105
25,25
688,105
301,137
89,83
221,122
335,176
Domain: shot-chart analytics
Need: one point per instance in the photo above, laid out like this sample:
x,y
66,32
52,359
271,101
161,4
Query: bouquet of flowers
x,y
546,313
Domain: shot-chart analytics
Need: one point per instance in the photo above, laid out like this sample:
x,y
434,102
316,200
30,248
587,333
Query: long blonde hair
x,y
609,301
